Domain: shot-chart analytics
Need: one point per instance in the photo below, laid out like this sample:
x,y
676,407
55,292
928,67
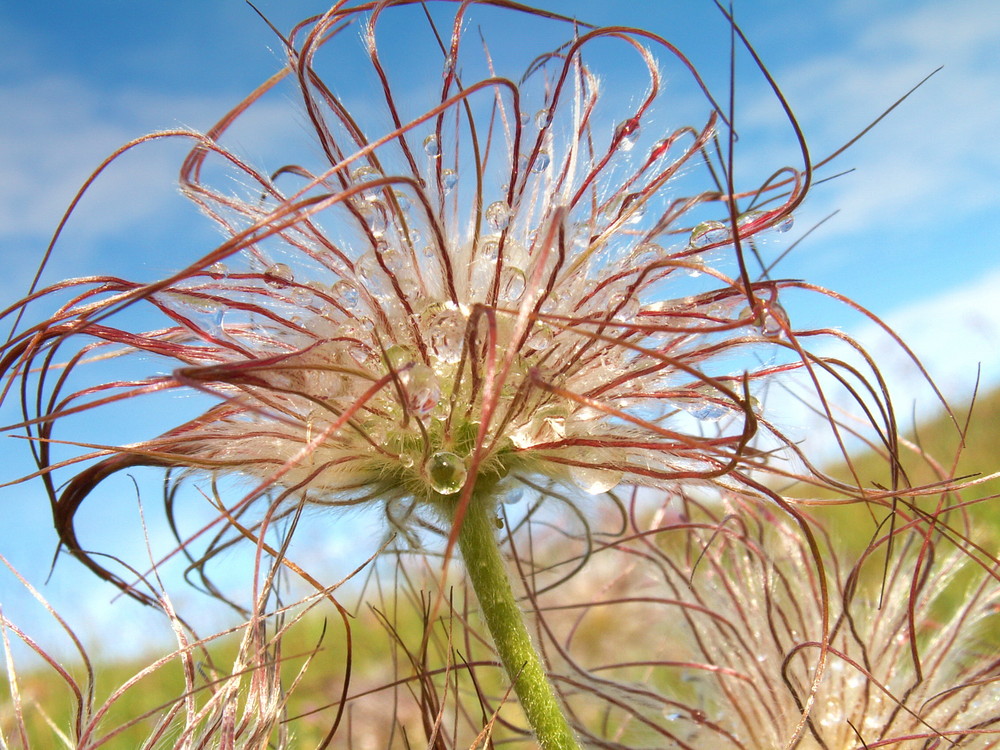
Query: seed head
x,y
507,276
754,646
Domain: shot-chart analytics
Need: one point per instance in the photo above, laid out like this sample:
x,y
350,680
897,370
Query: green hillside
x,y
963,445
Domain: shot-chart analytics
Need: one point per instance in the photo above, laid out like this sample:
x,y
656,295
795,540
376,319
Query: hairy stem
x,y
486,568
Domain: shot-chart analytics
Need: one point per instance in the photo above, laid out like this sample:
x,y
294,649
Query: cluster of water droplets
x,y
709,233
391,314
414,407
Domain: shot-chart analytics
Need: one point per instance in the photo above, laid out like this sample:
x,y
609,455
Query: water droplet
x,y
449,178
541,337
594,480
481,274
393,258
584,420
523,437
446,472
541,162
785,224
410,286
358,352
646,409
406,459
514,253
696,266
423,391
302,295
369,272
432,147
775,320
613,209
278,275
632,209
659,149
646,253
446,331
216,324
510,492
402,200
345,294
709,233
365,174
375,215
543,118
556,303
203,316
547,425
217,270
627,133
498,215
704,410
512,283
749,220
489,248
353,341
551,420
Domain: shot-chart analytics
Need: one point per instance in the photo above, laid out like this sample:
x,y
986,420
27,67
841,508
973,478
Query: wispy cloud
x,y
55,133
955,336
940,347
57,130
929,164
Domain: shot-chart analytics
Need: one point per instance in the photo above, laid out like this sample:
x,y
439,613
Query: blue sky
x,y
914,239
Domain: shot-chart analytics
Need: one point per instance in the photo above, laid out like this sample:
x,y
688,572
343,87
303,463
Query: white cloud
x,y
58,129
929,162
46,144
954,335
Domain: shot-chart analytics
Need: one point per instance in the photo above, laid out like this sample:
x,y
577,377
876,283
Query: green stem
x,y
478,543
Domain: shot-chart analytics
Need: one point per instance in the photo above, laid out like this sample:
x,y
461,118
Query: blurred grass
x,y
963,444
48,703
382,638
